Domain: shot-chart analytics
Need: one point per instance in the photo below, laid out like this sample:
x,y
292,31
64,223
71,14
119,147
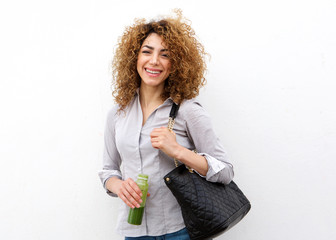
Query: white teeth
x,y
153,72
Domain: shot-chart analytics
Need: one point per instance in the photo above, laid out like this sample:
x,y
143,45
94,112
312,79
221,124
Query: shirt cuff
x,y
217,171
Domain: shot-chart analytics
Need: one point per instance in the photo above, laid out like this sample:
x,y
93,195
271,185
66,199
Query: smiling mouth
x,y
152,71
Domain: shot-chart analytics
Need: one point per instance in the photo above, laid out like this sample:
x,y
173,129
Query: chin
x,y
152,83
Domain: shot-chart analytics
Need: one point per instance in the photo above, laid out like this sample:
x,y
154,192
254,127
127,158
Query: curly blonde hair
x,y
186,53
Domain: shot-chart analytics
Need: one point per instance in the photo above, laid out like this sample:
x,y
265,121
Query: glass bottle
x,y
135,214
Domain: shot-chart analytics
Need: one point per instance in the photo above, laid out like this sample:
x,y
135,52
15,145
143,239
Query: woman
x,y
156,64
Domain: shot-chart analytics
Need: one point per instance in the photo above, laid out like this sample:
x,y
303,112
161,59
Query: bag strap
x,y
171,121
172,116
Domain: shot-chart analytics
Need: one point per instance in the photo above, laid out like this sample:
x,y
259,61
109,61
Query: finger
x,y
157,137
154,136
154,133
165,129
125,200
134,186
124,195
132,191
154,145
129,199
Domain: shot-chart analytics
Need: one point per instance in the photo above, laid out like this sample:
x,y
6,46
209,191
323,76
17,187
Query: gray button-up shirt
x,y
128,151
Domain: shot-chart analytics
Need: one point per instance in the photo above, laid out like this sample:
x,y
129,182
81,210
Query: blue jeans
x,y
179,235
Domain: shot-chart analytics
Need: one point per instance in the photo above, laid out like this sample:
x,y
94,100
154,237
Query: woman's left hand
x,y
165,140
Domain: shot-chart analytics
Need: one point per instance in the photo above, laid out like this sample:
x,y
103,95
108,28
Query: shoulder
x,y
113,112
190,109
112,116
189,104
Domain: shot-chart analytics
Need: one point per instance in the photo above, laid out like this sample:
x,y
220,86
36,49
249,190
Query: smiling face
x,y
153,63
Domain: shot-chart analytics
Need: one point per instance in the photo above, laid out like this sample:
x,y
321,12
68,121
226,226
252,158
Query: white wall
x,y
271,93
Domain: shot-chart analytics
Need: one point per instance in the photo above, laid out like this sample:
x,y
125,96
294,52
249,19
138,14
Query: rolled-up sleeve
x,y
111,157
207,144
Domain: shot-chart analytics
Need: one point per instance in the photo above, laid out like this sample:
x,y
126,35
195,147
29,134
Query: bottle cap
x,y
143,177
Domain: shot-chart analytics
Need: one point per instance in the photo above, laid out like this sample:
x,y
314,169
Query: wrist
x,y
179,152
111,184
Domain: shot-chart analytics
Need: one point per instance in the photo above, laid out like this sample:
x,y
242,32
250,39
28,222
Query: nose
x,y
154,59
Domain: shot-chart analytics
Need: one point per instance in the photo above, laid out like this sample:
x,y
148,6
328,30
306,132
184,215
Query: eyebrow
x,y
151,48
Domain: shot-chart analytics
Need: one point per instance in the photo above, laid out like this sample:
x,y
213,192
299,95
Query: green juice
x,y
135,214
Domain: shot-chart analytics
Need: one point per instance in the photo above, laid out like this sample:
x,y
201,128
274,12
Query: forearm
x,y
192,159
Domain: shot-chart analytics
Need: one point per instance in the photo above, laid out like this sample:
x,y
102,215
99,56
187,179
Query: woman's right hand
x,y
127,190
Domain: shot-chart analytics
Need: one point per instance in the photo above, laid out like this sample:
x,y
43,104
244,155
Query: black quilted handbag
x,y
208,209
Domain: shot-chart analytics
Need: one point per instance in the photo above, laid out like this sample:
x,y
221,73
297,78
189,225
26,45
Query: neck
x,y
150,96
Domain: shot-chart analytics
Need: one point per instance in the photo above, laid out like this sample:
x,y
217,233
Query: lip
x,y
153,70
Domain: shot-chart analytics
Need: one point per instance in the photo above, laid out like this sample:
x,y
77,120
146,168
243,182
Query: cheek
x,y
141,61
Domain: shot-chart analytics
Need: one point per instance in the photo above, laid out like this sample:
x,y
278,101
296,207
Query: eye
x,y
145,51
165,55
